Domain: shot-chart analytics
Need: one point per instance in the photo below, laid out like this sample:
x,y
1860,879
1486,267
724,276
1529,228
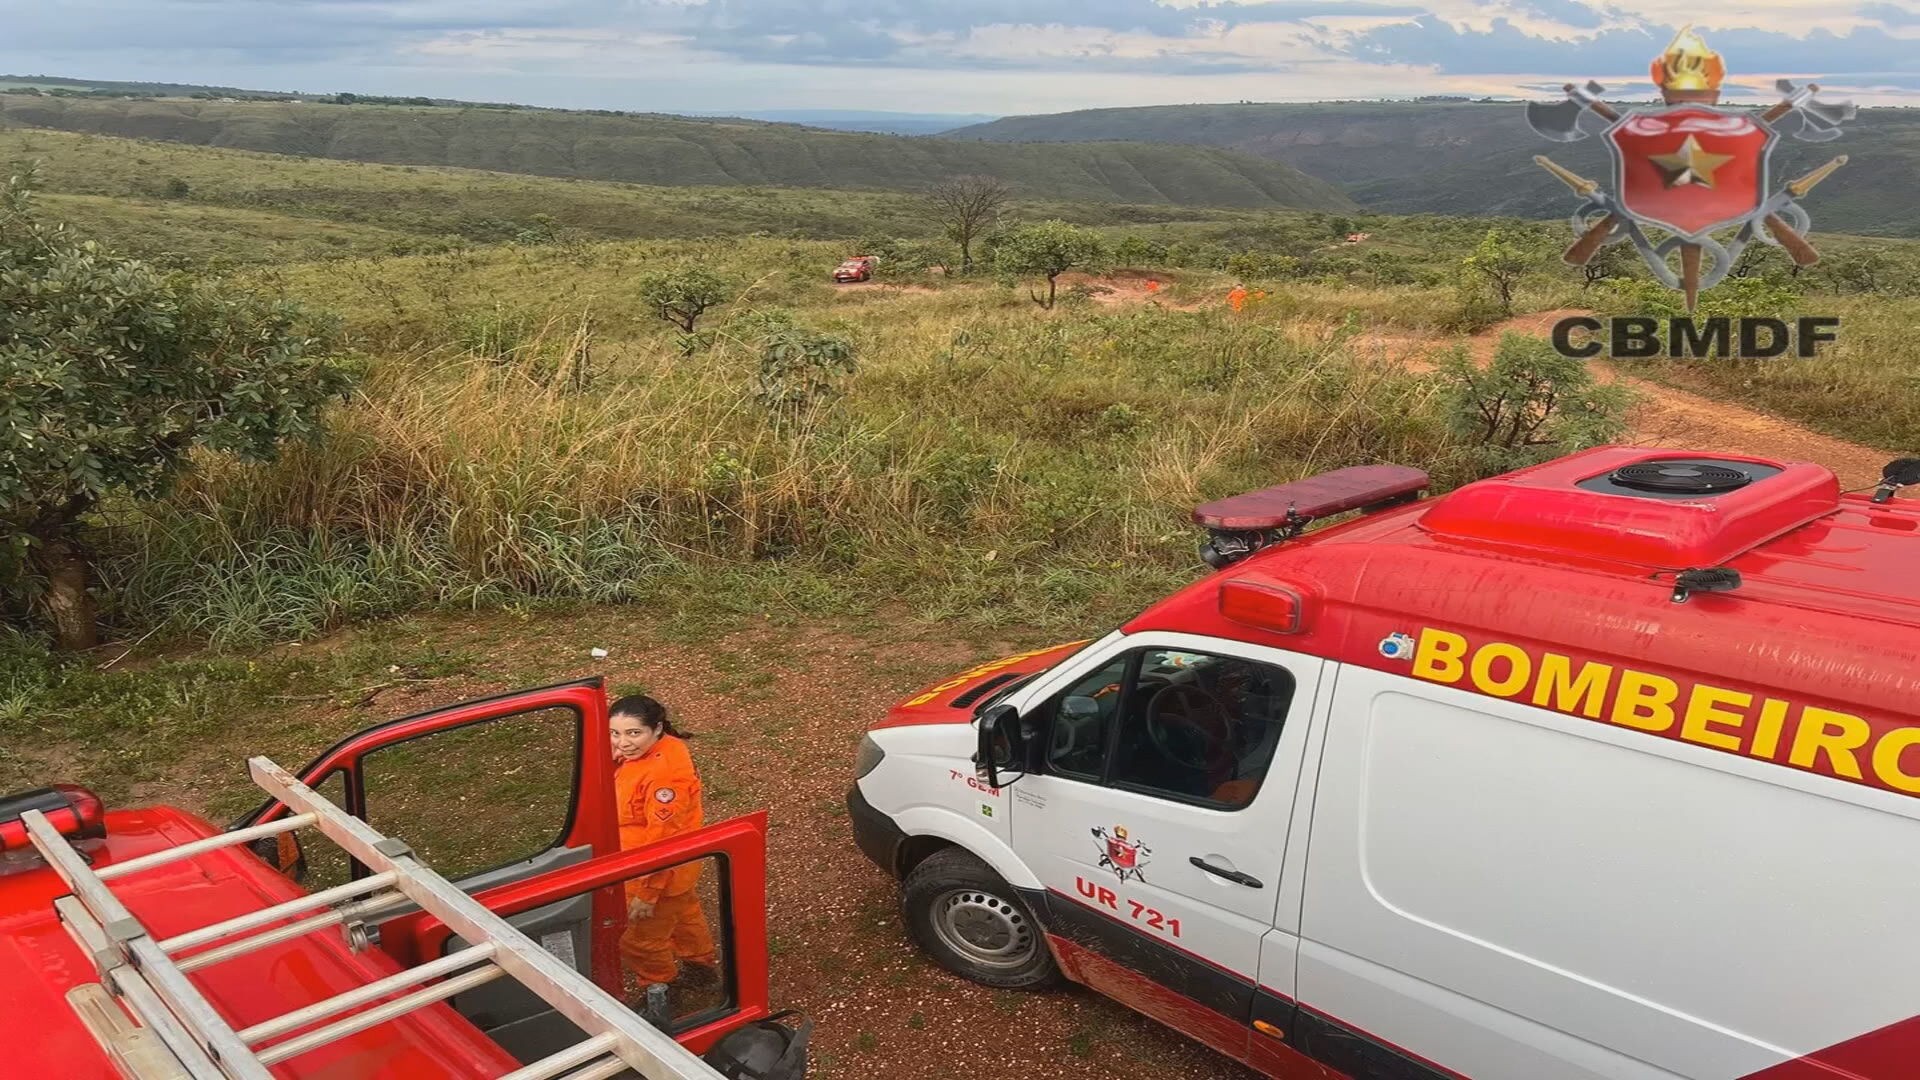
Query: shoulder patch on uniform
x,y
664,795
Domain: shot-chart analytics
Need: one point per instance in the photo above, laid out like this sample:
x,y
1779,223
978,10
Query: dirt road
x,y
776,713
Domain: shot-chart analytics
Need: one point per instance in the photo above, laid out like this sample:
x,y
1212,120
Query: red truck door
x,y
512,798
733,856
487,792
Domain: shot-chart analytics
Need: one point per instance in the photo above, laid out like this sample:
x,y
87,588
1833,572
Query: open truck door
x,y
494,791
513,796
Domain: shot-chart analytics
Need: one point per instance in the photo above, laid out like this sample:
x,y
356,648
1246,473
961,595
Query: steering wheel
x,y
1189,726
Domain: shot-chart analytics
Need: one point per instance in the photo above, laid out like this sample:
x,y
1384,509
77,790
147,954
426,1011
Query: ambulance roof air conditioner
x,y
1658,508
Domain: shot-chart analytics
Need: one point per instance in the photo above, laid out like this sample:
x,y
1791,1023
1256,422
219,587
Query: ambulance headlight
x,y
867,758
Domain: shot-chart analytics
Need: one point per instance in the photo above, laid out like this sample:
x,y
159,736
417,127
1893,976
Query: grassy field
x,y
988,462
622,463
676,151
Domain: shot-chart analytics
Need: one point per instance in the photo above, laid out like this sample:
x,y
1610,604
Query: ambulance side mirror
x,y
1001,743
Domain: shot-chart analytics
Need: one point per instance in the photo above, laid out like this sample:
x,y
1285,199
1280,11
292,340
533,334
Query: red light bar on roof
x,y
1336,492
72,810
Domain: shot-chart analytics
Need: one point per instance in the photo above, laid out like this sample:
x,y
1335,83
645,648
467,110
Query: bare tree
x,y
967,205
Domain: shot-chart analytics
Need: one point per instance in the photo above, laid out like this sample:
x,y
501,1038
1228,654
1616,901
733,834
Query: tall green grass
x,y
988,461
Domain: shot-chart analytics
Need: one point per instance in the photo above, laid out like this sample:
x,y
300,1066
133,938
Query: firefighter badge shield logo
x,y
1689,169
1120,853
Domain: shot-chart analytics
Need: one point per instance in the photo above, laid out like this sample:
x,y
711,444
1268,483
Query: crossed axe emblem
x,y
1601,220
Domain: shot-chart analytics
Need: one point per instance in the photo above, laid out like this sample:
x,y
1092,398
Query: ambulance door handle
x,y
1234,876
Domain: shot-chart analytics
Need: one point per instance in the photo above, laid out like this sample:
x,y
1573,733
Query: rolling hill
x,y
192,203
677,151
1475,157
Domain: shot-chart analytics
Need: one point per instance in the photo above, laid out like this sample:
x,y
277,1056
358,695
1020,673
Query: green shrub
x,y
800,369
1529,404
115,374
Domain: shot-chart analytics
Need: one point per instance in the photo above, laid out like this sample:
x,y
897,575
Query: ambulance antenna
x,y
1899,473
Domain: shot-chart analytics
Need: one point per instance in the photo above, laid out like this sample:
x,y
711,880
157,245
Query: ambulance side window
x,y
1196,727
1083,722
1200,728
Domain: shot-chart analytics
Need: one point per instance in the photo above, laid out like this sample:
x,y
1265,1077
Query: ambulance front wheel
x,y
975,924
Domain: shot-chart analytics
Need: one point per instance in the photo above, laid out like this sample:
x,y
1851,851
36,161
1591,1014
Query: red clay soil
x,y
850,287
776,714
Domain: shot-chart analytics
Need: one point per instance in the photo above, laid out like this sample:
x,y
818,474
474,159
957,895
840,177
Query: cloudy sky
x,y
990,56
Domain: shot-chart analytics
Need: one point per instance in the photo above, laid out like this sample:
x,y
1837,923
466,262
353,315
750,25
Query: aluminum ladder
x,y
180,1036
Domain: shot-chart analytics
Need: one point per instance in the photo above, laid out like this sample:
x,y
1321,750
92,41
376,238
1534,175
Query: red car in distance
x,y
858,268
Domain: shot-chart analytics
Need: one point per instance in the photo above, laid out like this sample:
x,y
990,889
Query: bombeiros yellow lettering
x,y
1805,737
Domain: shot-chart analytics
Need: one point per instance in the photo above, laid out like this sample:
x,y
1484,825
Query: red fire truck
x,y
146,943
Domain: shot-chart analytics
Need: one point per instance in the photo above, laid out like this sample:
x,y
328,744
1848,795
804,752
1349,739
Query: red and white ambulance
x,y
1603,768
148,944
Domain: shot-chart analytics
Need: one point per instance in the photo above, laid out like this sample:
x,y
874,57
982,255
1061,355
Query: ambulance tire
x,y
974,924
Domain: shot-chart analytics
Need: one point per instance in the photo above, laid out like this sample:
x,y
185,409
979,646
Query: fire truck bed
x,y
39,963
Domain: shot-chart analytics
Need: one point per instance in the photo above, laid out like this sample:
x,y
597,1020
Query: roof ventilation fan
x,y
1680,477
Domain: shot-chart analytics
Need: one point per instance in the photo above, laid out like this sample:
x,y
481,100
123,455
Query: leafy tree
x,y
1048,249
683,294
968,206
1527,405
1341,227
1135,250
1258,265
1499,262
111,374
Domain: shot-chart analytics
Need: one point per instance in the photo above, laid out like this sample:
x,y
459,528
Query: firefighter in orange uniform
x,y
657,795
1237,297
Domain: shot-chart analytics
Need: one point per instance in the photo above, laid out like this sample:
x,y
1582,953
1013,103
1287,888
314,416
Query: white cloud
x,y
950,55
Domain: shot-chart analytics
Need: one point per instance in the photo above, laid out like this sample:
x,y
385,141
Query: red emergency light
x,y
1269,607
1243,524
73,811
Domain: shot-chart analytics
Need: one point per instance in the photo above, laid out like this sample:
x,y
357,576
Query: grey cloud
x,y
1504,47
362,35
819,32
1568,12
1890,14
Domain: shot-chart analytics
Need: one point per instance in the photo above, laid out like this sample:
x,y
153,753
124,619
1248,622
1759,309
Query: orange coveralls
x,y
658,796
1237,297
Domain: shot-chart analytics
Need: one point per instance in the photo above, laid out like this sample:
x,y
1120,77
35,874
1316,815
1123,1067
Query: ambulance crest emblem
x,y
1120,853
1690,168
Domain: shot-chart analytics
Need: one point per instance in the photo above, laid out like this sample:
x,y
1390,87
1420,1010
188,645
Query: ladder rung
x,y
292,930
230,927
238,836
553,1065
320,1010
215,1039
600,1071
379,1014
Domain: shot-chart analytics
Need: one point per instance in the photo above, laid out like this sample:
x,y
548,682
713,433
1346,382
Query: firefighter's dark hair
x,y
649,712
